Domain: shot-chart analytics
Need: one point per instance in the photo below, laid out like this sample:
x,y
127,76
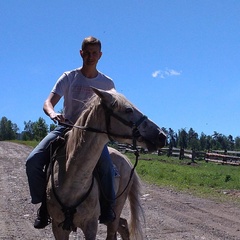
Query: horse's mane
x,y
92,110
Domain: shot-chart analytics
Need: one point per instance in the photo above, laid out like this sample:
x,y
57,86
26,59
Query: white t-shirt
x,y
75,88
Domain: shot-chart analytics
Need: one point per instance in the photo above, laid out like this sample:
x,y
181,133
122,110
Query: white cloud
x,y
165,73
173,72
156,73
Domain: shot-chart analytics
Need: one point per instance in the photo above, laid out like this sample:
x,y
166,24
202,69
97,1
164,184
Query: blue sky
x,y
178,61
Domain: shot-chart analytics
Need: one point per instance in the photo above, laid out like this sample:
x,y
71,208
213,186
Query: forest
x,y
182,138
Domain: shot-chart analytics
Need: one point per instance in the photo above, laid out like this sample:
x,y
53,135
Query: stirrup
x,y
107,216
42,219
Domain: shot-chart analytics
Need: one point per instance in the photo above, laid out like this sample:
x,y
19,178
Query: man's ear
x,y
81,52
100,55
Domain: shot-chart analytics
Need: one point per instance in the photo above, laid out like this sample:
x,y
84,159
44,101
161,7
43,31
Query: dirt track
x,y
169,215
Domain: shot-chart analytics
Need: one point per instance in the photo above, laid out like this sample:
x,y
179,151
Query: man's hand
x,y
57,117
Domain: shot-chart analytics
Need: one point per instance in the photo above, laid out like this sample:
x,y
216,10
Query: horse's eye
x,y
144,124
114,104
129,110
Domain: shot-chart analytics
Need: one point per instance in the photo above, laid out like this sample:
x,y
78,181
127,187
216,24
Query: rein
x,y
109,113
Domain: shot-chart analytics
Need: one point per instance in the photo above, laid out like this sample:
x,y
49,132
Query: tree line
x,y
192,140
181,139
32,130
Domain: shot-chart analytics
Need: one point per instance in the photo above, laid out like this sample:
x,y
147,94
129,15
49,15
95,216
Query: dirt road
x,y
169,215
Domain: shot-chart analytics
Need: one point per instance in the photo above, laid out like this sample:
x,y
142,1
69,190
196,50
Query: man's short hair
x,y
91,41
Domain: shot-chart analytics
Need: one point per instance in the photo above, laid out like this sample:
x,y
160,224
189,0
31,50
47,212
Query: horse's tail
x,y
137,214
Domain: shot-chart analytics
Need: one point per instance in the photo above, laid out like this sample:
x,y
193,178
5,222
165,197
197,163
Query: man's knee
x,y
104,162
36,162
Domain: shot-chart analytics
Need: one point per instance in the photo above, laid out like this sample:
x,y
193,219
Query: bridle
x,y
108,114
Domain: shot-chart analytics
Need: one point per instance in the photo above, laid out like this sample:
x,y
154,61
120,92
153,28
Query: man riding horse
x,y
75,87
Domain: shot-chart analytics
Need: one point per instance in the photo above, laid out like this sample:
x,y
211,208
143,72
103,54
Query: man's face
x,y
90,55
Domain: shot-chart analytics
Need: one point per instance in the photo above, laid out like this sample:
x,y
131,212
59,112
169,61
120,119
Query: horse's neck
x,y
80,165
86,154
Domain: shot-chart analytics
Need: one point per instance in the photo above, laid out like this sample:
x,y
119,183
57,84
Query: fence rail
x,y
222,158
217,156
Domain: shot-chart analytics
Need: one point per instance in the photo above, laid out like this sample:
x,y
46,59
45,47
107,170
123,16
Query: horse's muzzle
x,y
157,142
161,139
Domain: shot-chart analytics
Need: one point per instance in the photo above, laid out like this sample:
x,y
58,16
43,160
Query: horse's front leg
x,y
58,232
90,229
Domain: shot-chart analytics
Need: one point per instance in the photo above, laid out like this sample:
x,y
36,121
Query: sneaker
x,y
107,216
42,219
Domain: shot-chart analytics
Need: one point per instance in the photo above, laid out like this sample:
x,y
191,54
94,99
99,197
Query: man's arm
x,y
49,105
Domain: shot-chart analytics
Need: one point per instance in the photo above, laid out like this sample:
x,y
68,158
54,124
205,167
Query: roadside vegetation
x,y
200,178
27,143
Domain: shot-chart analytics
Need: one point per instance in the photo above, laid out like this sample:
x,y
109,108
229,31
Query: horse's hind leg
x,y
119,224
123,229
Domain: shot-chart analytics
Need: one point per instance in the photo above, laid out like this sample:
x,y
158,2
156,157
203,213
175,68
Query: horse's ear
x,y
106,97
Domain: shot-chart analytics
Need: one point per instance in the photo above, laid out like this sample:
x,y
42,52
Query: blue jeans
x,y
40,157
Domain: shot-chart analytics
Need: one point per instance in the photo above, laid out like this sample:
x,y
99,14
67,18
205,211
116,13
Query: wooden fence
x,y
222,158
217,156
182,153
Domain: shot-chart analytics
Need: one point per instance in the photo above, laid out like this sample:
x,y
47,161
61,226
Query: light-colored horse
x,y
72,192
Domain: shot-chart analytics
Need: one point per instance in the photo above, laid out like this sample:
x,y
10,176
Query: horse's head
x,y
126,123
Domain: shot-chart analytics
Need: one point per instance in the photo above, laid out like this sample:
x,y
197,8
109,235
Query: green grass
x,y
27,143
202,179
